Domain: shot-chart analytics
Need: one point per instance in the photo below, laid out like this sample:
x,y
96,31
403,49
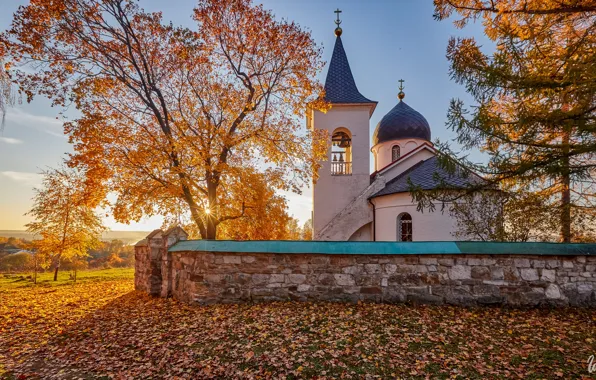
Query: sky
x,y
385,40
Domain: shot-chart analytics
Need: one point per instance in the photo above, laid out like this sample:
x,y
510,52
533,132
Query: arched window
x,y
394,153
404,227
341,152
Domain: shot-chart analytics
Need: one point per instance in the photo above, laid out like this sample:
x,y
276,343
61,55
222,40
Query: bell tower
x,y
346,172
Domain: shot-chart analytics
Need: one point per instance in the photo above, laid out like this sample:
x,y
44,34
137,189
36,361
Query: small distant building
x,y
350,203
23,251
7,249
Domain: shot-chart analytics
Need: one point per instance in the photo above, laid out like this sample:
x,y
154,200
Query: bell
x,y
344,142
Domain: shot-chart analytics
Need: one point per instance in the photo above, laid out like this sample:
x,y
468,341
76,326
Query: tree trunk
x,y
195,211
566,211
56,271
565,194
211,228
205,219
212,215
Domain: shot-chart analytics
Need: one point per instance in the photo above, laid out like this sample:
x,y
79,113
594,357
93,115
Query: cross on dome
x,y
401,122
401,95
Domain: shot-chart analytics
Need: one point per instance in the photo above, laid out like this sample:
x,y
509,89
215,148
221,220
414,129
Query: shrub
x,y
16,262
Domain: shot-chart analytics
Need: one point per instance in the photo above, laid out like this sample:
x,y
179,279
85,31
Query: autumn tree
x,y
502,216
293,230
307,231
535,100
65,217
171,115
265,213
114,253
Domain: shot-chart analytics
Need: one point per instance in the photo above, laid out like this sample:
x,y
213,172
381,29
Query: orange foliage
x,y
172,116
64,216
265,215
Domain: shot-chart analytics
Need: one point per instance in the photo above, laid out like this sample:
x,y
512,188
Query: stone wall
x,y
152,261
519,280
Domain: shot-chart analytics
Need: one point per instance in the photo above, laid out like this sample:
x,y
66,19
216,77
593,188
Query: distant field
x,y
21,280
129,237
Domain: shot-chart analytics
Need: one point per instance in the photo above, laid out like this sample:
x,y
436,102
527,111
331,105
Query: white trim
x,y
410,153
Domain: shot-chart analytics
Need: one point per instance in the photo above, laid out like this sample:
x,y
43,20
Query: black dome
x,y
402,122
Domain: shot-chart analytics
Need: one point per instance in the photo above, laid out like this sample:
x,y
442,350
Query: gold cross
x,y
338,21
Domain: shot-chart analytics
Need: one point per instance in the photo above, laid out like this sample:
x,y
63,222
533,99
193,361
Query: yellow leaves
x,y
65,217
69,68
38,317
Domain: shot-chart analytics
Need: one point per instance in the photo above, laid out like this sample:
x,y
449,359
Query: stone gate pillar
x,y
153,261
169,238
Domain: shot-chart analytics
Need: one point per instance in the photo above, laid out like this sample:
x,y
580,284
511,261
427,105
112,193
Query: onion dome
x,y
402,122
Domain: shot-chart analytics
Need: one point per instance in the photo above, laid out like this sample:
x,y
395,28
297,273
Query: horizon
x,y
384,41
128,237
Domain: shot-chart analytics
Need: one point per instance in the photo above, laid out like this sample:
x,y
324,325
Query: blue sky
x,y
385,40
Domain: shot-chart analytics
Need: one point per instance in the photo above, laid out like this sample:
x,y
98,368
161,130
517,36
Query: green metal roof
x,y
385,248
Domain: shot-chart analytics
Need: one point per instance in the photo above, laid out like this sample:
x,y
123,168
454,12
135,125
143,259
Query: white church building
x,y
350,203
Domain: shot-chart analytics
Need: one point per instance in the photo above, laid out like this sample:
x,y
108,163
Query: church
x,y
350,203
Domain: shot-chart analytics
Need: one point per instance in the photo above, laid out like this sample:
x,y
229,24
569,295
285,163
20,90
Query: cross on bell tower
x,y
337,22
345,173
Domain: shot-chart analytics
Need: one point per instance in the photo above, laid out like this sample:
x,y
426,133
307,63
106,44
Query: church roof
x,y
153,233
340,86
401,122
428,175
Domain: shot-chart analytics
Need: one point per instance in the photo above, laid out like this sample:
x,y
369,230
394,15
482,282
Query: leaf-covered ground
x,y
98,329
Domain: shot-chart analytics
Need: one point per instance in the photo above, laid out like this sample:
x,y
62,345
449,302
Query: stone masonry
x,y
215,277
152,261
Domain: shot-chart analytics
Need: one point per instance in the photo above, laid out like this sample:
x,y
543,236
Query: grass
x,y
101,328
21,280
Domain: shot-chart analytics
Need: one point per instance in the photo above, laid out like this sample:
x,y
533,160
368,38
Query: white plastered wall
x,y
382,151
426,226
331,194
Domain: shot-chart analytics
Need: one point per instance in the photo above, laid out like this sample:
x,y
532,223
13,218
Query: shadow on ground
x,y
137,336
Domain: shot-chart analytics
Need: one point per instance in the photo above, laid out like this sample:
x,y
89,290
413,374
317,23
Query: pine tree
x,y
535,111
